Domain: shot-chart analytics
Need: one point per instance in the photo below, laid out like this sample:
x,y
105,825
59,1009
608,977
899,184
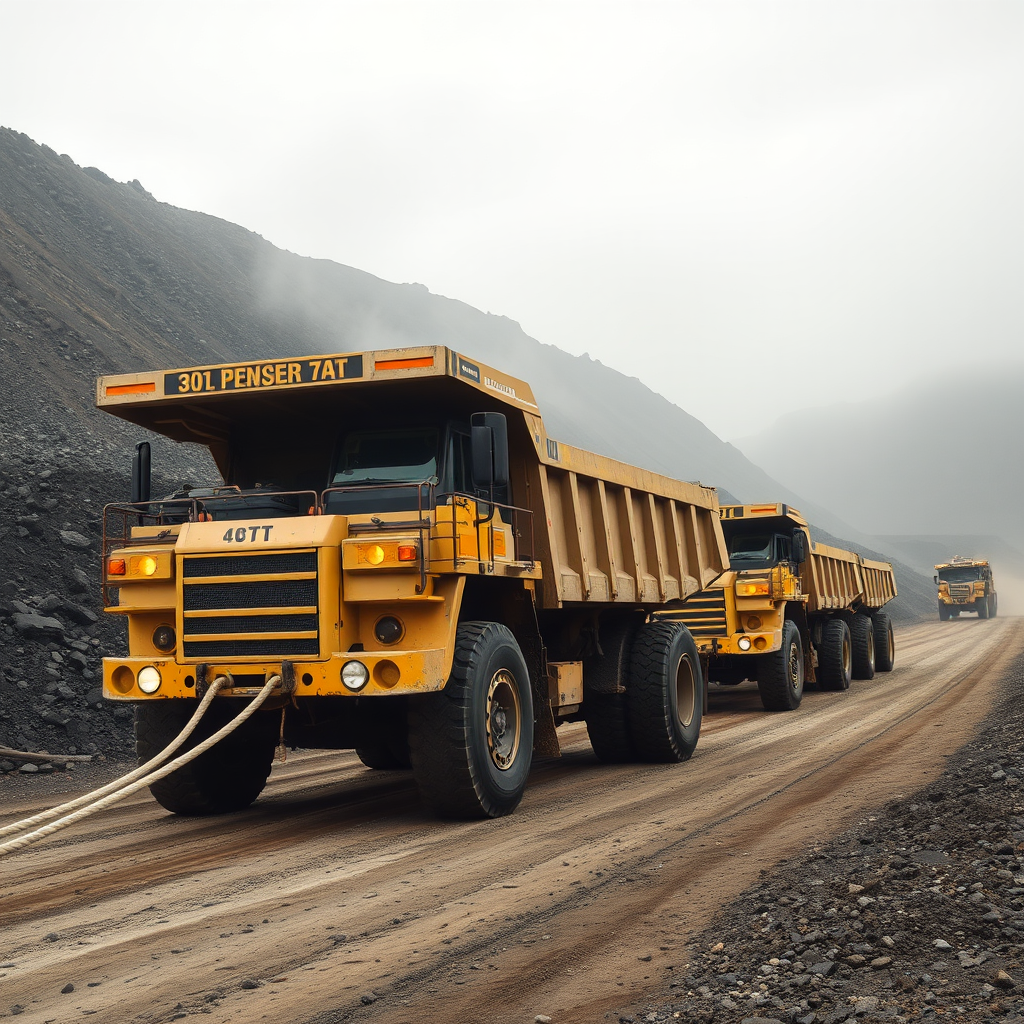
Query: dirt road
x,y
335,898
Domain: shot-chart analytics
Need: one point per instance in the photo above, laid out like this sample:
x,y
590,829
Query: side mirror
x,y
140,473
489,445
799,547
936,578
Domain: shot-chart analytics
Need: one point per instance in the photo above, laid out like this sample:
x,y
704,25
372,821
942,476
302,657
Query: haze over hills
x,y
99,277
931,472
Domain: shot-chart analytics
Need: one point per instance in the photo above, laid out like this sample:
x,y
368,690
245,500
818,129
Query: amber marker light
x,y
131,389
115,567
146,565
404,364
406,552
753,588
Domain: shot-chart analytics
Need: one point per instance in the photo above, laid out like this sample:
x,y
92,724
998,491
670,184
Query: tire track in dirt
x,y
611,862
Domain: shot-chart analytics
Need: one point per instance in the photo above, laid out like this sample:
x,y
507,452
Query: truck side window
x,y
783,548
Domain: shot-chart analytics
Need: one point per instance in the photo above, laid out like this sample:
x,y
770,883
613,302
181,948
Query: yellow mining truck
x,y
966,585
790,610
437,583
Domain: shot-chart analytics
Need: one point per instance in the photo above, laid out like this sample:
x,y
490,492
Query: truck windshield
x,y
387,456
751,547
962,574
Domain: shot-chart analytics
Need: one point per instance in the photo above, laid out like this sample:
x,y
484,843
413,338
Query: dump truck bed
x,y
841,579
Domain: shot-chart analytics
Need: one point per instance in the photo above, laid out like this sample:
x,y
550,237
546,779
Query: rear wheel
x,y
780,675
862,638
604,699
835,662
665,694
885,642
471,743
229,776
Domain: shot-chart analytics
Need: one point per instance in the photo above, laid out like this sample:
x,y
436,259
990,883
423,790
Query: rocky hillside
x,y
99,277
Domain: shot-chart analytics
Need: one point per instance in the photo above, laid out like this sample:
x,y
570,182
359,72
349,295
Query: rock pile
x,y
916,914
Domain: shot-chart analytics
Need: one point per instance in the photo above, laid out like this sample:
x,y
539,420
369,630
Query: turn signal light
x,y
115,567
406,552
753,588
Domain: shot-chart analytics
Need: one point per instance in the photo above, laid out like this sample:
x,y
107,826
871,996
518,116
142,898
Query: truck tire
x,y
993,605
229,776
604,707
471,743
885,642
835,656
780,675
943,612
981,607
665,693
862,639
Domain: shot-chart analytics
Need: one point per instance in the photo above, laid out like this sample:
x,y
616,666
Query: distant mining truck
x,y
966,585
401,556
790,611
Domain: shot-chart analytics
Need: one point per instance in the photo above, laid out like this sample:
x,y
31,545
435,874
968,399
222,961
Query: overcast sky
x,y
750,206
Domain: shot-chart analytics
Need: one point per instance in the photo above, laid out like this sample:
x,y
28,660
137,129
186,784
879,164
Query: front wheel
x,y
471,743
981,607
993,605
780,675
227,777
665,694
943,612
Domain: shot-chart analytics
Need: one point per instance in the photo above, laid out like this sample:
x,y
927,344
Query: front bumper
x,y
760,643
391,672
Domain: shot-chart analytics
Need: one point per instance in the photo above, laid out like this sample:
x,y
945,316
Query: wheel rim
x,y
892,644
847,664
871,649
686,692
504,719
795,665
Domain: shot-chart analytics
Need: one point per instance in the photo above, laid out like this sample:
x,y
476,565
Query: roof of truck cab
x,y
196,403
963,563
734,513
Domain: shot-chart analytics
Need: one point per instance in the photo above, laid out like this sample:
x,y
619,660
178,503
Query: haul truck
x,y
438,583
966,585
790,610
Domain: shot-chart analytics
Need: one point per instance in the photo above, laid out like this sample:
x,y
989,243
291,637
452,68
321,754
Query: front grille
x,y
704,614
228,611
250,565
961,591
205,597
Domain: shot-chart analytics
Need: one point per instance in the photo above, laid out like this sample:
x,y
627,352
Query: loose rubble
x,y
915,914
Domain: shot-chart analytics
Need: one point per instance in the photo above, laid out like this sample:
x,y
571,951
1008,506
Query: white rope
x,y
156,776
153,762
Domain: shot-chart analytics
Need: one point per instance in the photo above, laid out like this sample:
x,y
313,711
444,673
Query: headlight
x,y
164,638
388,630
743,643
149,679
354,675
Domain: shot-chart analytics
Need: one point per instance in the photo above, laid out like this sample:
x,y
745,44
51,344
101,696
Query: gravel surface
x,y
914,914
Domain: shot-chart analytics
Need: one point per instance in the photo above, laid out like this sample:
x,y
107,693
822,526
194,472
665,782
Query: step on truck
x,y
790,611
966,585
432,580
